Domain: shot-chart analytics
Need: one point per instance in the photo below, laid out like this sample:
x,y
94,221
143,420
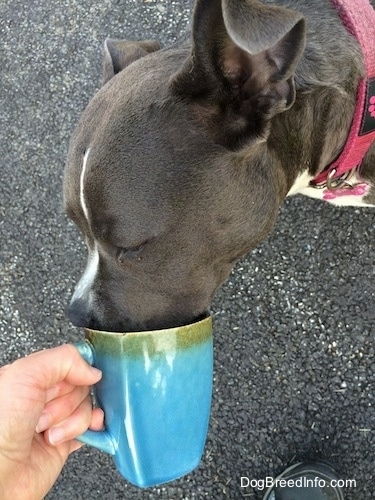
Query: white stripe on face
x,y
82,180
84,287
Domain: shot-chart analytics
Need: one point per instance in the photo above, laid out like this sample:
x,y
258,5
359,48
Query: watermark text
x,y
301,482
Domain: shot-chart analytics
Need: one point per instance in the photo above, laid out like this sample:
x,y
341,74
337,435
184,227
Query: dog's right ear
x,y
118,54
240,72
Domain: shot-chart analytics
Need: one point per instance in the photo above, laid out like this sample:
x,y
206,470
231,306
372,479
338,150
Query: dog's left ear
x,y
118,54
240,72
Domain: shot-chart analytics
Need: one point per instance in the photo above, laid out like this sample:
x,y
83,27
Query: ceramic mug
x,y
156,395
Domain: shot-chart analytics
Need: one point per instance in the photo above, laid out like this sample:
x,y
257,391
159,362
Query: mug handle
x,y
101,440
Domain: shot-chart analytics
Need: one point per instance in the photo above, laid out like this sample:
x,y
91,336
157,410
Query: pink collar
x,y
359,18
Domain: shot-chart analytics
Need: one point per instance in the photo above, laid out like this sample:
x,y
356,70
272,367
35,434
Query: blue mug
x,y
156,395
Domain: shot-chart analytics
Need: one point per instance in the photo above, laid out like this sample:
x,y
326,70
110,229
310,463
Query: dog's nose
x,y
80,314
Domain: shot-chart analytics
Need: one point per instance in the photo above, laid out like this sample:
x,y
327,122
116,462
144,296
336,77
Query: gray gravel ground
x,y
294,348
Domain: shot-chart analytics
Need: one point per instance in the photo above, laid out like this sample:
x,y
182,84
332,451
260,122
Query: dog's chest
x,y
355,196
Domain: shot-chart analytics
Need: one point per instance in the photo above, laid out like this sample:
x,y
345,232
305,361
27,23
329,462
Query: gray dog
x,y
180,162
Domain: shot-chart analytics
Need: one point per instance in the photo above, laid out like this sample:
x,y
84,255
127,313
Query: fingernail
x,y
43,423
95,371
56,435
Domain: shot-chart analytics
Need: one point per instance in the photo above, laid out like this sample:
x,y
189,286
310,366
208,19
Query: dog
x,y
180,162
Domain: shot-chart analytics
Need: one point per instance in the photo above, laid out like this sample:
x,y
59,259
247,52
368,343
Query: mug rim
x,y
207,318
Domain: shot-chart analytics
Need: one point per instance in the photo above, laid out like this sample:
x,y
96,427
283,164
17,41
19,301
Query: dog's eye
x,y
130,253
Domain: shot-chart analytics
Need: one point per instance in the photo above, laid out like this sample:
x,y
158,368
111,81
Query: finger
x,y
58,390
60,408
61,363
97,419
97,424
75,445
77,423
24,384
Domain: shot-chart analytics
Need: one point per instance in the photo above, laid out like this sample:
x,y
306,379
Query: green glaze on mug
x,y
156,395
154,341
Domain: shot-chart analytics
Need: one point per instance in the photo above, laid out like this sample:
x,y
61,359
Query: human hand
x,y
45,405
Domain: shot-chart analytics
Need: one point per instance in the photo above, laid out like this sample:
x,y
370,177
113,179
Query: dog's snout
x,y
80,314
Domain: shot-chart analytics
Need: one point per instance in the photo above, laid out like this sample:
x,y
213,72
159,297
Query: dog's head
x,y
169,174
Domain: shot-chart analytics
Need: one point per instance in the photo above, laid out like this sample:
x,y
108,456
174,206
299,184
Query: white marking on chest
x,y
300,183
81,186
301,186
84,287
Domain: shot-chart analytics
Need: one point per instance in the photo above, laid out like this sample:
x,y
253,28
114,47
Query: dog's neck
x,y
339,179
358,17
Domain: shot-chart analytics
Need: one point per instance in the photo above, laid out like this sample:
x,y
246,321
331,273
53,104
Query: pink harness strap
x,y
359,18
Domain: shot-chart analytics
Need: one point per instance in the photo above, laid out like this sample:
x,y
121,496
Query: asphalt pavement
x,y
294,324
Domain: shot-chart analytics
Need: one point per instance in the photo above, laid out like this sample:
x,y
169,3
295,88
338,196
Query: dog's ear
x,y
120,53
240,72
